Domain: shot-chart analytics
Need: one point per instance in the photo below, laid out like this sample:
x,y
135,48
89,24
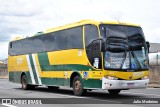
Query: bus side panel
x,y
16,66
92,79
92,83
16,77
56,81
56,67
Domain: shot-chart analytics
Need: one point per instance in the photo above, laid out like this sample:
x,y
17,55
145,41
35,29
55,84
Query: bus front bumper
x,y
123,84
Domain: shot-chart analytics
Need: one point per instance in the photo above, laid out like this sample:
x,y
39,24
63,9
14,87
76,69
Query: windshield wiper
x,y
135,58
124,57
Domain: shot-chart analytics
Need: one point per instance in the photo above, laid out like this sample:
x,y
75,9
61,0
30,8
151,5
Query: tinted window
x,y
15,47
37,43
68,39
48,42
27,46
65,39
92,48
91,33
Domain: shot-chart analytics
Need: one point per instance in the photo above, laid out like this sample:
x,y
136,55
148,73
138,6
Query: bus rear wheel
x,y
25,84
78,86
114,92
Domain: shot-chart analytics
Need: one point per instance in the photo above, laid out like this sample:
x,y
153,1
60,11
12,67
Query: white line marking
x,y
36,69
8,105
7,88
2,82
141,93
30,69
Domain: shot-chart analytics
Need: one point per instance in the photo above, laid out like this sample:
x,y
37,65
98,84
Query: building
x,y
154,54
5,61
154,47
3,69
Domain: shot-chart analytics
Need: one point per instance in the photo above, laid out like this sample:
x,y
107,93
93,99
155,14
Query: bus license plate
x,y
130,84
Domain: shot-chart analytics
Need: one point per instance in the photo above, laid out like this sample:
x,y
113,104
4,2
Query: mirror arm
x,y
148,45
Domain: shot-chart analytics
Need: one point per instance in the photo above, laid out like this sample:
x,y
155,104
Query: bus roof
x,y
17,38
82,22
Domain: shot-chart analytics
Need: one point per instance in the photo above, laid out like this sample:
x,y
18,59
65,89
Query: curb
x,y
153,86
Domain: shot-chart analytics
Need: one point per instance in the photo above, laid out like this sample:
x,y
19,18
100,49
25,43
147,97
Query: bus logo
x,y
130,77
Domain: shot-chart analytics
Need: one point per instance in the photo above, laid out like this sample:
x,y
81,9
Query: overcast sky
x,y
26,17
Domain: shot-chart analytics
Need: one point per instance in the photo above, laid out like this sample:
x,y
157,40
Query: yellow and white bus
x,y
85,55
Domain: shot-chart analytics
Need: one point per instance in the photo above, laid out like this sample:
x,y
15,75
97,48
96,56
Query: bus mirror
x,y
148,45
101,43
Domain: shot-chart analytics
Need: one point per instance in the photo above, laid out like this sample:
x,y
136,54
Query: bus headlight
x,y
145,77
111,77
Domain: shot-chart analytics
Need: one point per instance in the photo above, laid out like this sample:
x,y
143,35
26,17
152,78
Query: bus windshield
x,y
125,47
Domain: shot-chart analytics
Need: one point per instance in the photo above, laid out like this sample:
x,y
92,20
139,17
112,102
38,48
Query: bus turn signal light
x,y
145,77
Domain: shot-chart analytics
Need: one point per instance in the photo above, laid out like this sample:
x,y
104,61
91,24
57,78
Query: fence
x,y
154,76
3,73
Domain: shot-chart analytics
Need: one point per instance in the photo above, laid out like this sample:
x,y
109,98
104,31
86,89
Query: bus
x,y
85,56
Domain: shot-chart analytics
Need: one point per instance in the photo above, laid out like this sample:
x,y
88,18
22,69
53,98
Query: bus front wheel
x,y
114,92
78,86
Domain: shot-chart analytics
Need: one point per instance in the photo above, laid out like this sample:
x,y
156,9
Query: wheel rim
x,y
77,85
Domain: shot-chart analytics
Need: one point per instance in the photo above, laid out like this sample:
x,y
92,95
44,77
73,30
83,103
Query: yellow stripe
x,y
72,56
17,63
50,74
126,75
61,74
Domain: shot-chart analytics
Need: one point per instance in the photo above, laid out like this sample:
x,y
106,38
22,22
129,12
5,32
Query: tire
x,y
78,86
24,82
114,92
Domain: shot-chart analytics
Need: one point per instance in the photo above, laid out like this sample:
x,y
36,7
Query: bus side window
x,y
92,48
69,39
48,42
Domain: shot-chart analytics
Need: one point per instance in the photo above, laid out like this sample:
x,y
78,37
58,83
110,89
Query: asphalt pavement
x,y
44,97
